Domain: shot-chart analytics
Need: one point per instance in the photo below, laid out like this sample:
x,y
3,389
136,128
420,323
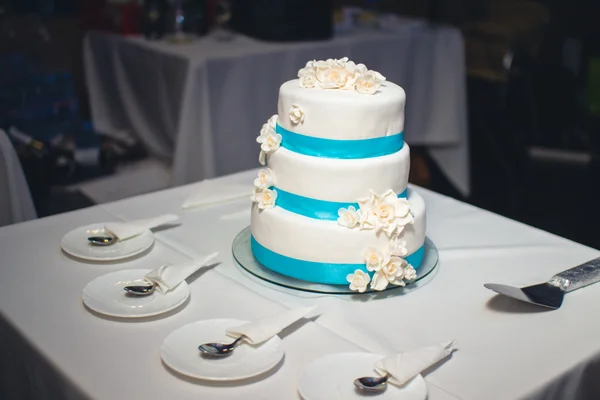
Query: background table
x,y
202,104
55,348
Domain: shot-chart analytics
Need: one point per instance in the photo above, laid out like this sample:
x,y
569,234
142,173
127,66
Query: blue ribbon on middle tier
x,y
313,208
341,149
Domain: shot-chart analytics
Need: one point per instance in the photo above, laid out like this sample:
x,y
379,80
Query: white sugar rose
x,y
336,74
269,140
410,274
385,213
398,247
367,85
265,179
348,217
375,259
272,123
379,281
359,280
394,271
265,198
296,114
308,81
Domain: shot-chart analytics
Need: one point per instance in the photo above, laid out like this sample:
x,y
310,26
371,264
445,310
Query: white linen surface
x,y
507,349
202,104
169,276
264,329
127,230
404,366
210,192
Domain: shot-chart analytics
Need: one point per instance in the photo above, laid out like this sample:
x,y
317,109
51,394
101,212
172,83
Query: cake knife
x,y
551,293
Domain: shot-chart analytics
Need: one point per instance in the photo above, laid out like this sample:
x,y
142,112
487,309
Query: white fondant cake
x,y
332,204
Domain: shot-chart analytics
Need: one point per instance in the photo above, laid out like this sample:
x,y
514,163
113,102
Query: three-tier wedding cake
x,y
332,205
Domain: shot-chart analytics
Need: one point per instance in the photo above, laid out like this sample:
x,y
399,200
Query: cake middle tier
x,y
337,180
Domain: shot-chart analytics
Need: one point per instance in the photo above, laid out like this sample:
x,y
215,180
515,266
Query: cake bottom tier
x,y
323,251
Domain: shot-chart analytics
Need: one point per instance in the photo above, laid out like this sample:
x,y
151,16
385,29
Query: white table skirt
x,y
16,204
203,104
507,350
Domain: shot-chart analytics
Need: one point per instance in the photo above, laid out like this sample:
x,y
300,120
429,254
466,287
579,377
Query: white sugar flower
x,y
265,198
398,247
410,274
369,82
394,271
308,81
379,281
272,123
296,114
385,213
359,280
348,217
265,179
336,74
375,259
269,140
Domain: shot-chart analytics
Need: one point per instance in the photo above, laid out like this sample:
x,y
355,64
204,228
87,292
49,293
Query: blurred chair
x,y
16,204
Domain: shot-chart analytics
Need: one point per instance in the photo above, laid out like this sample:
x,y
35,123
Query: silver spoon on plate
x,y
219,349
372,383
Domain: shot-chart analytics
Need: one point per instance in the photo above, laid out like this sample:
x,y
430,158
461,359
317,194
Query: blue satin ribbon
x,y
313,208
333,274
342,149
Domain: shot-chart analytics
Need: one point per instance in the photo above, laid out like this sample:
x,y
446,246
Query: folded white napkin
x,y
210,192
264,329
405,366
127,230
167,277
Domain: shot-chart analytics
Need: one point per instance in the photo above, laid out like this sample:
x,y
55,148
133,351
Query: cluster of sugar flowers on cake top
x,y
269,139
340,74
264,195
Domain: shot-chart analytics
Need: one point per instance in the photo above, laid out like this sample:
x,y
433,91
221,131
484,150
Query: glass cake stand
x,y
244,257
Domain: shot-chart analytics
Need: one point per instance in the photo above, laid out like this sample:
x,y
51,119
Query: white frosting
x,y
343,114
303,238
339,180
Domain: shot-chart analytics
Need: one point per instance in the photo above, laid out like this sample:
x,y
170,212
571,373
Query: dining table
x,y
54,347
200,103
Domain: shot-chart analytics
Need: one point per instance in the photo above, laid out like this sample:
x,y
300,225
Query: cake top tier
x,y
341,106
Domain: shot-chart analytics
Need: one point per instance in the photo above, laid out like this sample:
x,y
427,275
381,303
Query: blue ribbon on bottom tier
x,y
333,274
313,208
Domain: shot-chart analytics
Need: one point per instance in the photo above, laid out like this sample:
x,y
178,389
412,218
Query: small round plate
x,y
76,244
332,378
180,352
244,257
106,295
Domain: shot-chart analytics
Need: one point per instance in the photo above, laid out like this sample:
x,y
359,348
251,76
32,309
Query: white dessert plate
x,y
180,352
332,378
76,244
106,295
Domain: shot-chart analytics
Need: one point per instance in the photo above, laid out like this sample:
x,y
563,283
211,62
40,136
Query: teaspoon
x,y
219,349
105,239
371,383
141,290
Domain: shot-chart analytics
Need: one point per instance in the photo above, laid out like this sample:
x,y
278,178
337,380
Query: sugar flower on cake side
x,y
269,140
340,74
264,196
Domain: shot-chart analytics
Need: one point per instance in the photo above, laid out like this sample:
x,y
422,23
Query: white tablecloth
x,y
16,204
507,350
203,104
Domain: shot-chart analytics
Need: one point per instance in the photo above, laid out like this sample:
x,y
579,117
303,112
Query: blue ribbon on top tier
x,y
341,149
313,208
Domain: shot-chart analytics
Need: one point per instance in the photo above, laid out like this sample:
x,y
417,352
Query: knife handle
x,y
578,277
